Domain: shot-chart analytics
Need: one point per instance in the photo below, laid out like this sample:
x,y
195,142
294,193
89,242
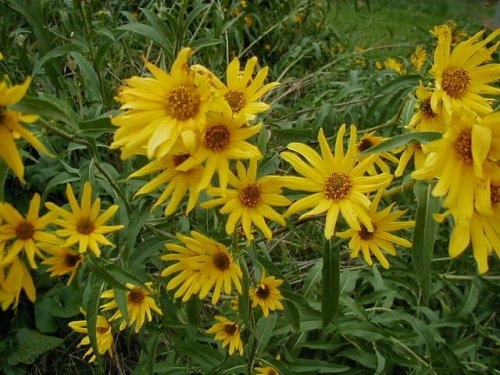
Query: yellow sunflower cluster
x,y
465,161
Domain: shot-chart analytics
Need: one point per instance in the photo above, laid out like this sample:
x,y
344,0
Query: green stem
x,y
4,170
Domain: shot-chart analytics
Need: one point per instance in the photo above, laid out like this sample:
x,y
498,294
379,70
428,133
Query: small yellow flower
x,y
395,65
418,58
266,371
267,295
104,336
63,261
18,278
228,332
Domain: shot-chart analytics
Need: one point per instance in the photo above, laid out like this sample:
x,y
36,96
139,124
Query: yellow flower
x,y
177,183
84,224
161,109
456,34
461,76
426,119
104,336
266,371
204,264
383,222
418,58
395,65
379,65
17,279
369,140
11,127
336,182
250,201
224,139
267,295
228,332
63,261
139,305
26,232
415,150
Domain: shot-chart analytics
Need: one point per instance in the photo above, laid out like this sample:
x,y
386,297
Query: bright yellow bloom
x,y
228,332
26,232
161,109
139,305
224,139
177,183
63,261
11,127
104,336
336,182
411,150
266,371
456,34
18,278
84,224
383,222
250,201
395,65
204,264
418,58
461,76
369,140
425,119
267,295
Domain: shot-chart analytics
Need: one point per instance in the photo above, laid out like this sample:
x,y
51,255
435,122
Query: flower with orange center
x,y
228,332
202,265
426,119
139,305
266,371
84,224
26,233
267,295
161,109
63,260
250,201
369,140
462,75
336,182
104,335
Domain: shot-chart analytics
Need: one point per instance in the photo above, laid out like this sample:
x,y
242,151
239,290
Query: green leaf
x,y
244,302
331,282
265,328
50,106
402,140
424,235
92,310
317,366
149,32
104,275
4,170
121,302
96,127
56,52
31,345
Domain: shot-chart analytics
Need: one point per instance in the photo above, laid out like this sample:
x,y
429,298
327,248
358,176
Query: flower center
x,y
337,186
183,103
495,194
25,230
71,260
231,328
217,137
250,196
221,261
263,291
364,144
102,330
364,234
236,100
271,372
463,146
426,110
85,226
179,159
2,113
136,296
455,82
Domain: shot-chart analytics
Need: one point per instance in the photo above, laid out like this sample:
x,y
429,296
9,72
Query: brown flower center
x,y
25,230
364,144
495,194
236,100
263,291
71,260
85,226
272,372
217,137
455,82
136,296
179,159
2,113
463,146
102,330
364,234
221,261
337,186
426,110
183,103
231,328
250,196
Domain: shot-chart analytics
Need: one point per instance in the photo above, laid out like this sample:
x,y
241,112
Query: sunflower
x,y
84,225
104,336
223,139
458,160
426,119
18,278
63,260
139,305
416,151
11,127
228,332
204,264
177,183
383,223
461,76
267,295
266,371
161,109
250,201
369,140
397,66
336,182
243,91
26,232
418,58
